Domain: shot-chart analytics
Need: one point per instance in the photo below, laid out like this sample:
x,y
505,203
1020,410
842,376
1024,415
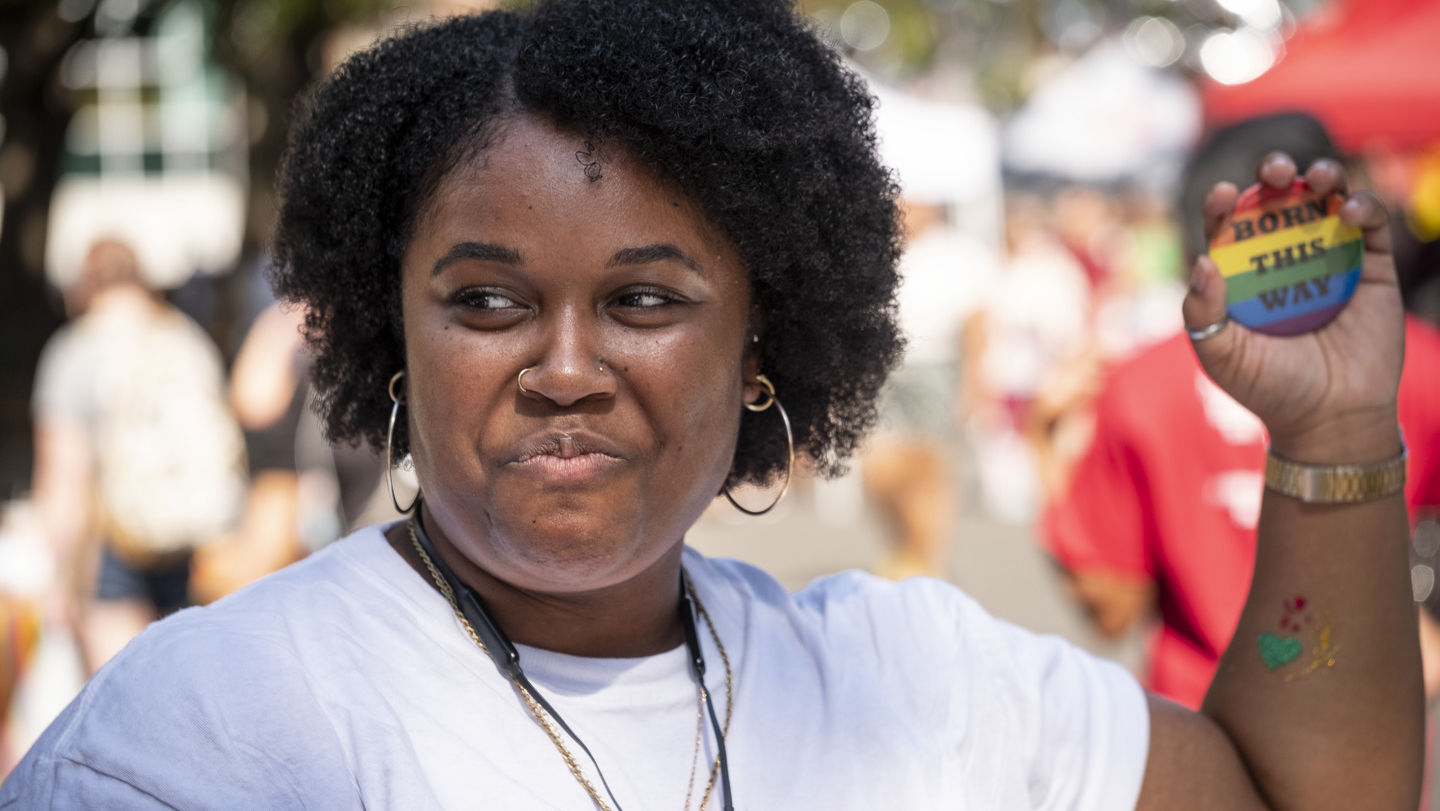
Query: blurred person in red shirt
x,y
1160,512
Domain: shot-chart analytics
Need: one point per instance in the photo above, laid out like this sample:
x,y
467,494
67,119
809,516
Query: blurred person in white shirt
x,y
138,459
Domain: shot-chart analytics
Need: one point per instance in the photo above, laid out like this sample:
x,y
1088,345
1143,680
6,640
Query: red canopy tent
x,y
1368,69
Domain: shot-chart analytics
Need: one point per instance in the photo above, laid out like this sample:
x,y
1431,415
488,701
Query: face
x,y
630,312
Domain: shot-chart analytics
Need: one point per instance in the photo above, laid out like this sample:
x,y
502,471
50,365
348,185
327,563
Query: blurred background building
x,y
1040,146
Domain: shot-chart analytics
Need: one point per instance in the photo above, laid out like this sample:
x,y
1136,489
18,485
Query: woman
x,y
573,246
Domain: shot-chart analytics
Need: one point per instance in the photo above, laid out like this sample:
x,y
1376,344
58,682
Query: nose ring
x,y
520,379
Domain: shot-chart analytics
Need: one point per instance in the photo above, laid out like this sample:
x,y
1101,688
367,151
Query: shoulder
x,y
65,341
1030,711
320,601
839,615
920,602
185,338
218,699
237,665
187,713
65,362
845,593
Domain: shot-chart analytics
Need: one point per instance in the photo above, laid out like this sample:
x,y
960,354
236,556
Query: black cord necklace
x,y
507,659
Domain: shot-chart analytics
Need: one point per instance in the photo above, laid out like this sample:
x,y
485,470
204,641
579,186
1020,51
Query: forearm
x,y
63,497
1348,699
64,516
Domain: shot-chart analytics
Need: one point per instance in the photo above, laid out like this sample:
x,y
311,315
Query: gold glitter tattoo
x,y
1302,629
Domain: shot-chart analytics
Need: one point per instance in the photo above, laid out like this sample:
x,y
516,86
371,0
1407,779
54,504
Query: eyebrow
x,y
489,252
658,252
483,251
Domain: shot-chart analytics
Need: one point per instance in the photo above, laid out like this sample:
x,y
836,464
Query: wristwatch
x,y
1336,484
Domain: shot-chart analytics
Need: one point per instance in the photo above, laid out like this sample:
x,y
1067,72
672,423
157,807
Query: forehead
x,y
534,179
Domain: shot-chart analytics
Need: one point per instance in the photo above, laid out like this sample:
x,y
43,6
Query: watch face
x,y
1289,264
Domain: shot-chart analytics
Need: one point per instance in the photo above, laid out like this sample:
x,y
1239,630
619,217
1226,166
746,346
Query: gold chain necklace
x,y
548,725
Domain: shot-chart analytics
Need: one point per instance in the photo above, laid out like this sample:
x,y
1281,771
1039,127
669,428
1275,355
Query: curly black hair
x,y
737,101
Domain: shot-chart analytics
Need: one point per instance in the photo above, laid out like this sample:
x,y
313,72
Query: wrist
x,y
1352,440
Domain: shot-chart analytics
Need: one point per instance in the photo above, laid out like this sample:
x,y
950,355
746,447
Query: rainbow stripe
x,y
1292,279
1299,318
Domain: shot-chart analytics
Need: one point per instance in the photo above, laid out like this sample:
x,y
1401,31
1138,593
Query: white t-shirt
x,y
345,682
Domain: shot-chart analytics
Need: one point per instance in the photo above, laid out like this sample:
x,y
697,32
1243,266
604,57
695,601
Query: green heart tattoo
x,y
1278,651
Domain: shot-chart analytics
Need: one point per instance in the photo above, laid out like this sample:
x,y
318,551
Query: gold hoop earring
x,y
764,405
389,442
520,379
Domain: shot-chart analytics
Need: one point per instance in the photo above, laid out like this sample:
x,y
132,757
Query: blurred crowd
x,y
1047,385
165,475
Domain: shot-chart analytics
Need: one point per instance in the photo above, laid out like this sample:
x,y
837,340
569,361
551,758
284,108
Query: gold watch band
x,y
1336,484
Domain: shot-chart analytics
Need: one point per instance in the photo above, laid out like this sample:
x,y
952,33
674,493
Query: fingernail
x,y
1282,160
1197,280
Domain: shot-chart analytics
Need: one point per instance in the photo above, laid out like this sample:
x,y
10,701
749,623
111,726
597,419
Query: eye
x,y
479,298
644,299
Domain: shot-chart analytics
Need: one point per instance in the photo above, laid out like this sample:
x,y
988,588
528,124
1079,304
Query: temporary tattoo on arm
x,y
1305,630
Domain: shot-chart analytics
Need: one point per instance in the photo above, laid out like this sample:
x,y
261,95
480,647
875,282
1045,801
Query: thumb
x,y
1204,310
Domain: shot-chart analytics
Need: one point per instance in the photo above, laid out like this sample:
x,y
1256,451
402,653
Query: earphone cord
x,y
503,653
697,663
498,645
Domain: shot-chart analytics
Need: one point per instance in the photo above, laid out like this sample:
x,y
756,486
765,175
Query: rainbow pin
x,y
1289,264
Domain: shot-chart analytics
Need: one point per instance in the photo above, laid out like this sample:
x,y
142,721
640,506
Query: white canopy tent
x,y
1105,118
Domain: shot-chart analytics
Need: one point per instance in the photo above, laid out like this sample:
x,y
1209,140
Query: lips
x,y
564,445
566,457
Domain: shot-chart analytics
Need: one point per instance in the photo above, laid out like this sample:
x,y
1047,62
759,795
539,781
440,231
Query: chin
x,y
574,544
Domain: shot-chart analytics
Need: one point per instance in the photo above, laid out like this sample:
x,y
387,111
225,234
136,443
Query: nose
x,y
570,368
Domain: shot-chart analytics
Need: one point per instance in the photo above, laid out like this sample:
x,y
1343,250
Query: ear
x,y
750,367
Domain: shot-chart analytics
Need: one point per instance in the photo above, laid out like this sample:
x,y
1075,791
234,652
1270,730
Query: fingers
x,y
1204,306
1365,211
1276,170
1206,298
1326,176
1218,205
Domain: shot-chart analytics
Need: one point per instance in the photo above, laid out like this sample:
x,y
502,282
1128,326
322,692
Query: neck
x,y
636,617
122,296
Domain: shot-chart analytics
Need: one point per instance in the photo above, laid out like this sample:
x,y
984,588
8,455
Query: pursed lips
x,y
566,457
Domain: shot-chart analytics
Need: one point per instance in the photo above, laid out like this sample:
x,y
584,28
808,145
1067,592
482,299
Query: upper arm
x,y
62,408
1193,764
188,713
63,479
62,453
263,379
78,785
1072,726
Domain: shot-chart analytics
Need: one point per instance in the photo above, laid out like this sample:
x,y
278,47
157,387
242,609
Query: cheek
x,y
690,391
456,388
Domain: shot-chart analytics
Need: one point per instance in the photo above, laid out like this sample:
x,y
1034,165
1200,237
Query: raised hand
x,y
1327,396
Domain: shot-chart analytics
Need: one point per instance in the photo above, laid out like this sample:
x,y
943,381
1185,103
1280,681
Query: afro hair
x,y
736,101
